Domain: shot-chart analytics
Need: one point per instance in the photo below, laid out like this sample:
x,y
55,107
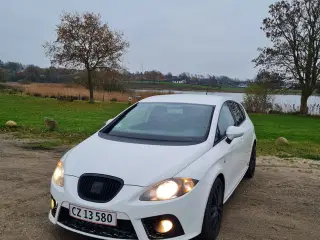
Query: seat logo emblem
x,y
96,187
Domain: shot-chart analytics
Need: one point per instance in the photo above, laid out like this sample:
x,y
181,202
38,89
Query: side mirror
x,y
109,121
234,132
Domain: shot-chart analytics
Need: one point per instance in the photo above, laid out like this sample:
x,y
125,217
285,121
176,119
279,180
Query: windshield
x,y
164,122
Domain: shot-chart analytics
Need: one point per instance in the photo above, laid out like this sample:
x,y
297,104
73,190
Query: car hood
x,y
135,163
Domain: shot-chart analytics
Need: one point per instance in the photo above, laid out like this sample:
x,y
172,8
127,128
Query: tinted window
x,y
237,113
225,120
165,121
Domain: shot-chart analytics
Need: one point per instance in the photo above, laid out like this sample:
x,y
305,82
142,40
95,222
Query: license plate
x,y
94,216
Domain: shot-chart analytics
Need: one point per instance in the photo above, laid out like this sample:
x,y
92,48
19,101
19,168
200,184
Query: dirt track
x,y
281,202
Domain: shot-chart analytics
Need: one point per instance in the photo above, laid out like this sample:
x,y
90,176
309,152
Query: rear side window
x,y
225,120
237,112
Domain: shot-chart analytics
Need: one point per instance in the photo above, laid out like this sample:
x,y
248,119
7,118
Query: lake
x,y
289,103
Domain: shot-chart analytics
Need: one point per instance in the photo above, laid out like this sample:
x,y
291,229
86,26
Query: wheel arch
x,y
221,177
210,179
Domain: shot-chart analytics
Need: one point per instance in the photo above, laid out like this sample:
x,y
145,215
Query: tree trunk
x,y
304,103
90,86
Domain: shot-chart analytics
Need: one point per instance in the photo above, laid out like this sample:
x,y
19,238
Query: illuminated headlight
x,y
58,174
169,189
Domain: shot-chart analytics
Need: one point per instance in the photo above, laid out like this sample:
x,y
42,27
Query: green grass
x,y
78,120
303,134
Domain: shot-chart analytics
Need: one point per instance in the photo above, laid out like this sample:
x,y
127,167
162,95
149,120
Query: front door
x,y
233,156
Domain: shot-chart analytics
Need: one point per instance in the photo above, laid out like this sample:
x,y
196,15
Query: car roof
x,y
188,98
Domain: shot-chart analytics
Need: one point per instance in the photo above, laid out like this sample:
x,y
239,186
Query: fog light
x,y
53,203
164,226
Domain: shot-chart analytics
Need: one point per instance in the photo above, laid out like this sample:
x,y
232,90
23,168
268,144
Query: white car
x,y
161,169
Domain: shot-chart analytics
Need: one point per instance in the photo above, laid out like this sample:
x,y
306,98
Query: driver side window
x,y
225,120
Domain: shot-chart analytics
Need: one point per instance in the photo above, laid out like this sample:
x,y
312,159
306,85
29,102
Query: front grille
x,y
123,230
98,188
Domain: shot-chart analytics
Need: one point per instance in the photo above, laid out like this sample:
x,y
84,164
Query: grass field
x,y
77,120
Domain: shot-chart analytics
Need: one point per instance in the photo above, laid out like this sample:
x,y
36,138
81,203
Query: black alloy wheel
x,y
252,164
213,213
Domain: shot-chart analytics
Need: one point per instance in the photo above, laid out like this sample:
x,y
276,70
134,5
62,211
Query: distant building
x,y
243,85
180,81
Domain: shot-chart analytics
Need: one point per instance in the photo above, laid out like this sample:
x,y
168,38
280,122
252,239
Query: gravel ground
x,y
281,202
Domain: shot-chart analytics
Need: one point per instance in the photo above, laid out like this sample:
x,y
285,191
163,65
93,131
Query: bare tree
x,y
294,30
85,42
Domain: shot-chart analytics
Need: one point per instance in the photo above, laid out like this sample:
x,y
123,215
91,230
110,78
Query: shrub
x,y
37,95
2,87
24,81
85,98
257,98
114,99
65,98
276,109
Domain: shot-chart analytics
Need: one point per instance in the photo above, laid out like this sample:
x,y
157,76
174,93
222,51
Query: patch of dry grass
x,y
73,90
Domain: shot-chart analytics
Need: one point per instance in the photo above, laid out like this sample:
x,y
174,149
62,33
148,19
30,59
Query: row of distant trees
x,y
189,78
14,72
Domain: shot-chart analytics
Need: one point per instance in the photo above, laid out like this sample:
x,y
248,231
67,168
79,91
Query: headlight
x,y
58,174
169,189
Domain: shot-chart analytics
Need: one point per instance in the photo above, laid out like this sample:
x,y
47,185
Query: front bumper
x,y
131,212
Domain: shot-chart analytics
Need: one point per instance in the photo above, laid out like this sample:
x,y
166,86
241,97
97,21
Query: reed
x,y
52,90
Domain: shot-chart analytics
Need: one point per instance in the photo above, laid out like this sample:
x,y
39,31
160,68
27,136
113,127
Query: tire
x,y
213,212
252,164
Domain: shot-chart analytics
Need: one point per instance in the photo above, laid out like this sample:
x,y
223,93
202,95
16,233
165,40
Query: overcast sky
x,y
218,37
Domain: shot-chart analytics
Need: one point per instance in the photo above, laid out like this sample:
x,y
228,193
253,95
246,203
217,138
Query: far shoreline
x,y
200,88
285,92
